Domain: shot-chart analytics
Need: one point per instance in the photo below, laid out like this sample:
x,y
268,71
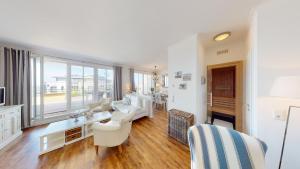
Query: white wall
x,y
202,93
251,74
237,51
1,67
186,56
278,54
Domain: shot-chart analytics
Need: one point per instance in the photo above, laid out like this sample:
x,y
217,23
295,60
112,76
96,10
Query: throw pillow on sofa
x,y
126,100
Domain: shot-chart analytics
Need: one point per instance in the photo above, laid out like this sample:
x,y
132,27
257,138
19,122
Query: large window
x,y
88,85
143,82
165,81
35,87
82,86
105,83
76,87
61,86
55,90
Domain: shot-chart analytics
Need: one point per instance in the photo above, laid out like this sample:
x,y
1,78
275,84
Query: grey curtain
x,y
117,83
17,81
131,77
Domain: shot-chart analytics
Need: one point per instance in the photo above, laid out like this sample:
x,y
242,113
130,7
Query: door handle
x,y
211,101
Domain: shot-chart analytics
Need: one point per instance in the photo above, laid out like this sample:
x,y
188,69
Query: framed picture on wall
x,y
187,77
178,75
182,86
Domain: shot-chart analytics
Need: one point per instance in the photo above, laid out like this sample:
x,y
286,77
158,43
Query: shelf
x,y
89,135
73,134
80,138
52,144
54,135
51,149
47,140
73,137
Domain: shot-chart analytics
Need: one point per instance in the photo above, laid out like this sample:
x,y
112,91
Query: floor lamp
x,y
286,87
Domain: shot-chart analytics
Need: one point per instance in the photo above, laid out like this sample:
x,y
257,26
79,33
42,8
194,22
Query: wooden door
x,y
225,90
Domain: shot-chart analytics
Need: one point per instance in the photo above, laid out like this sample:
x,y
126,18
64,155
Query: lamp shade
x,y
286,87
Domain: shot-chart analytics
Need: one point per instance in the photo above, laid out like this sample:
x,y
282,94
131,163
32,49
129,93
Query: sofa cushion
x,y
136,101
98,109
127,108
126,100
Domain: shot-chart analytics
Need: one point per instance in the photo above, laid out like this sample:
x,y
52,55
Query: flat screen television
x,y
2,96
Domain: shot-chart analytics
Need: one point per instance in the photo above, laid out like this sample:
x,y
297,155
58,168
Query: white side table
x,y
68,131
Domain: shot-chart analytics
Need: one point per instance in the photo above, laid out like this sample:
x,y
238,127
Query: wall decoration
x,y
203,80
182,86
178,75
187,77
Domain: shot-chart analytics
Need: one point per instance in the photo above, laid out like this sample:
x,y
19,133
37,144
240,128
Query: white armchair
x,y
114,132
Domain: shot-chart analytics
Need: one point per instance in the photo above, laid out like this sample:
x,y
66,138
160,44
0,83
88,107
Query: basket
x,y
178,124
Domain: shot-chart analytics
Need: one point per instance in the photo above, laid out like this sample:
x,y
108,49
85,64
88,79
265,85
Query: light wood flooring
x,y
147,147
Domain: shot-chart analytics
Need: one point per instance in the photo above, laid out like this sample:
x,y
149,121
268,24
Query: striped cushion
x,y
214,147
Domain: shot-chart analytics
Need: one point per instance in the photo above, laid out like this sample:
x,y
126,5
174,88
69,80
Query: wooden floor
x,y
147,147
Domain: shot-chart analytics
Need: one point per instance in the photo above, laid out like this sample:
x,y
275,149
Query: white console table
x,y
68,131
10,124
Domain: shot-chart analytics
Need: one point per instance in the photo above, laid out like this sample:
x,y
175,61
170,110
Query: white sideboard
x,y
10,124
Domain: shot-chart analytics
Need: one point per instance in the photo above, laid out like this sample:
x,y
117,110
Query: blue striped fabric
x,y
192,145
241,150
263,145
220,148
228,148
204,147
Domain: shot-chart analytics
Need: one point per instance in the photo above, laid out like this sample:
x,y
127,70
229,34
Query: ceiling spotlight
x,y
222,36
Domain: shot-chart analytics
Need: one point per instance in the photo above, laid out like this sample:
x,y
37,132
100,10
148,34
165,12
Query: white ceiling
x,y
131,32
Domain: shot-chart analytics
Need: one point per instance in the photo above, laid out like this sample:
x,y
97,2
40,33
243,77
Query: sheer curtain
x,y
17,81
131,77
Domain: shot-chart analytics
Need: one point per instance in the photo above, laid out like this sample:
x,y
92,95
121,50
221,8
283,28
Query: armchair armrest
x,y
109,126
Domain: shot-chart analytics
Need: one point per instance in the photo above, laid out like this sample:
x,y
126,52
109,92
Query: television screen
x,y
2,95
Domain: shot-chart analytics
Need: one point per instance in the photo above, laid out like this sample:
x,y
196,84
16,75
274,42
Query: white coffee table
x,y
68,131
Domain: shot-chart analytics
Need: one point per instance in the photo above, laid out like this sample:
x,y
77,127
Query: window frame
x,y
147,74
69,64
106,80
42,63
165,81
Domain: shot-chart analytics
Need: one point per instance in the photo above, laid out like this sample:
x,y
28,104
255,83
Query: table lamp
x,y
286,87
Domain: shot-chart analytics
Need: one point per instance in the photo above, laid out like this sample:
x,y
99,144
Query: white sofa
x,y
141,103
